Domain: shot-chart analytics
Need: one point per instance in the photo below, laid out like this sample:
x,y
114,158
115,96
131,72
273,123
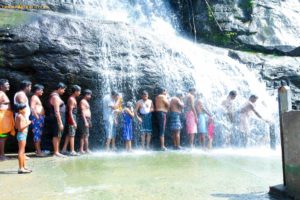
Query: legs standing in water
x,y
191,127
21,137
145,138
161,116
110,131
3,138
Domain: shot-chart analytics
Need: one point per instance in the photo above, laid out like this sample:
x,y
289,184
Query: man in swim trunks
x,y
37,117
57,117
176,107
229,127
143,111
228,105
202,121
191,116
72,121
110,106
162,106
245,113
86,121
6,117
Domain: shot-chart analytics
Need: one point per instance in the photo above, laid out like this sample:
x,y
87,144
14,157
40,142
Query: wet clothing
x,y
211,129
110,129
191,125
174,121
108,112
53,124
145,107
7,123
146,126
85,131
127,127
202,123
21,136
162,119
37,127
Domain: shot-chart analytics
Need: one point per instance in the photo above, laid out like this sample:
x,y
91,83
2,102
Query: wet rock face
x,y
260,25
47,48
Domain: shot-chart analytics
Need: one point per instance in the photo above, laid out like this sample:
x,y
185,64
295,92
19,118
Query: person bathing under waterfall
x,y
245,112
143,111
162,106
203,122
191,116
72,121
85,121
176,107
128,116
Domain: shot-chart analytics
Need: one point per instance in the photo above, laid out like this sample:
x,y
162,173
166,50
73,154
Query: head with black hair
x,y
179,94
114,94
145,95
87,94
162,90
4,85
25,86
38,89
253,98
60,88
192,90
232,94
76,90
20,108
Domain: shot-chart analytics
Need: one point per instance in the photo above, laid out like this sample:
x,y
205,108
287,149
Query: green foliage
x,y
12,18
222,38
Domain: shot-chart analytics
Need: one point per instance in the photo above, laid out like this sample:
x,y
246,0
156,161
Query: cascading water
x,y
181,63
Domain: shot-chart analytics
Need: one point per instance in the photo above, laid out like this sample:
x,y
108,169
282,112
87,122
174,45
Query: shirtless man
x,y
37,117
143,111
57,117
202,122
245,112
6,117
72,120
86,119
21,97
176,107
191,116
162,106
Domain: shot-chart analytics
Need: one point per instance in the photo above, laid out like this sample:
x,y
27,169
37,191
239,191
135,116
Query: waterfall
x,y
182,63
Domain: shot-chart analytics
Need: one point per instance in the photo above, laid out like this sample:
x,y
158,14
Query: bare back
x,y
176,105
161,103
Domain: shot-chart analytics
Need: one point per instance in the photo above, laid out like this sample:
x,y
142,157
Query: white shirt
x,y
108,113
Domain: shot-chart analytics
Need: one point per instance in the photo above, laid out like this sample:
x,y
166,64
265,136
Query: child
x,y
22,124
211,128
128,115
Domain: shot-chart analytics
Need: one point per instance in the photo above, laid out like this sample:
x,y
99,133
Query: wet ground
x,y
223,174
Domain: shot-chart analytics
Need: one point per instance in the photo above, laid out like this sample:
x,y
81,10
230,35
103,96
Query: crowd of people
x,y
76,117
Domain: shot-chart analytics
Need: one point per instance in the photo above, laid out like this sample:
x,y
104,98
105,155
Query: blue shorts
x,y
175,123
146,126
21,136
110,129
37,127
202,124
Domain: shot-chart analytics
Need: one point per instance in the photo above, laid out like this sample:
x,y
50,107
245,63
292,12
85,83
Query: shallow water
x,y
219,174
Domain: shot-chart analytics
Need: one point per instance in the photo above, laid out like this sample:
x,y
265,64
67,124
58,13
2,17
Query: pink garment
x,y
191,124
211,129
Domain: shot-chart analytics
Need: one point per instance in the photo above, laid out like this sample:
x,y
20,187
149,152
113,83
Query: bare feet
x,y
3,158
59,155
24,171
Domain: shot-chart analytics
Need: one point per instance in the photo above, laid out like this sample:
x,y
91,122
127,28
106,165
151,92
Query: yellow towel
x,y
7,124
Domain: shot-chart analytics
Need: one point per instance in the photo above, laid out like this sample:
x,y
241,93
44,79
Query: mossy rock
x,y
12,18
